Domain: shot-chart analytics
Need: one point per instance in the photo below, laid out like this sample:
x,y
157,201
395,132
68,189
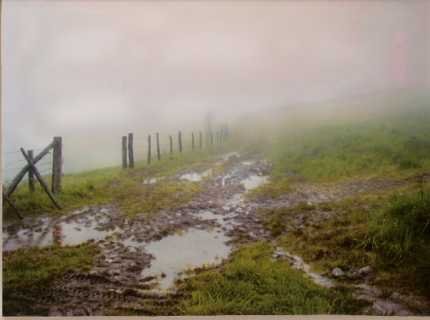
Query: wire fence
x,y
13,162
140,144
147,147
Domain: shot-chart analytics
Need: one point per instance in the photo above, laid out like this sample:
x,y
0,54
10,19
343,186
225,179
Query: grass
x,y
133,198
328,147
388,231
122,187
400,233
342,151
338,241
252,283
29,271
271,190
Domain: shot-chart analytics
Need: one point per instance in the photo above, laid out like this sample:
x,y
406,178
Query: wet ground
x,y
141,258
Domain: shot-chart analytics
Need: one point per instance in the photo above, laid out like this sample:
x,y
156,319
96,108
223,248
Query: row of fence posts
x,y
128,159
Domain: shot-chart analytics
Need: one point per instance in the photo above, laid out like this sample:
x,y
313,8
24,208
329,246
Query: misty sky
x,y
91,71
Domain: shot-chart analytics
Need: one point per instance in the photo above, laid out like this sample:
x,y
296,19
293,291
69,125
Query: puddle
x,y
151,180
209,215
235,200
298,263
227,156
195,176
254,181
176,253
51,231
224,179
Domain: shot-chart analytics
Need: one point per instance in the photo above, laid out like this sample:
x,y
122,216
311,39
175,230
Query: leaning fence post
x,y
30,172
157,137
130,151
200,140
149,148
124,152
192,140
171,145
57,159
180,141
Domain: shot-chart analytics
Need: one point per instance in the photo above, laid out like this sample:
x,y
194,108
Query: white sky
x,y
92,71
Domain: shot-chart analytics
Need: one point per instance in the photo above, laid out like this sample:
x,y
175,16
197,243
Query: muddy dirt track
x,y
141,258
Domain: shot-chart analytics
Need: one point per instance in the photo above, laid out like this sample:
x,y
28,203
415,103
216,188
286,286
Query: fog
x,y
92,71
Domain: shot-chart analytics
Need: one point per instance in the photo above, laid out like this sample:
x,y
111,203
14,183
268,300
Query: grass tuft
x,y
29,271
253,283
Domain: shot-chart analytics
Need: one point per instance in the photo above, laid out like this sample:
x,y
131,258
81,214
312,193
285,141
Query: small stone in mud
x,y
389,308
364,271
147,279
337,272
279,253
163,275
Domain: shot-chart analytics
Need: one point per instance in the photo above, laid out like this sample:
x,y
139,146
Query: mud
x,y
141,258
195,176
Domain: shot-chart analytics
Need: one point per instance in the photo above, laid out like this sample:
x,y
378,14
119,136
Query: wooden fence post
x,y
180,141
130,151
200,140
211,135
149,148
21,174
30,173
124,152
171,145
192,140
57,164
39,177
158,146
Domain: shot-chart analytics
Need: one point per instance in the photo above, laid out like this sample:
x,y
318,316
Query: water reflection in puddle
x,y
195,176
49,231
176,253
254,181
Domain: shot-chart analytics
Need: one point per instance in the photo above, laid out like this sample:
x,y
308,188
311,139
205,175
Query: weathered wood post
x,y
130,151
124,152
211,136
149,148
180,141
39,177
30,173
171,145
200,140
157,137
57,164
192,140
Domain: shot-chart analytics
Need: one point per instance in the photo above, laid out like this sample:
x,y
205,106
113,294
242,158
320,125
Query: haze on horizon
x,y
92,71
